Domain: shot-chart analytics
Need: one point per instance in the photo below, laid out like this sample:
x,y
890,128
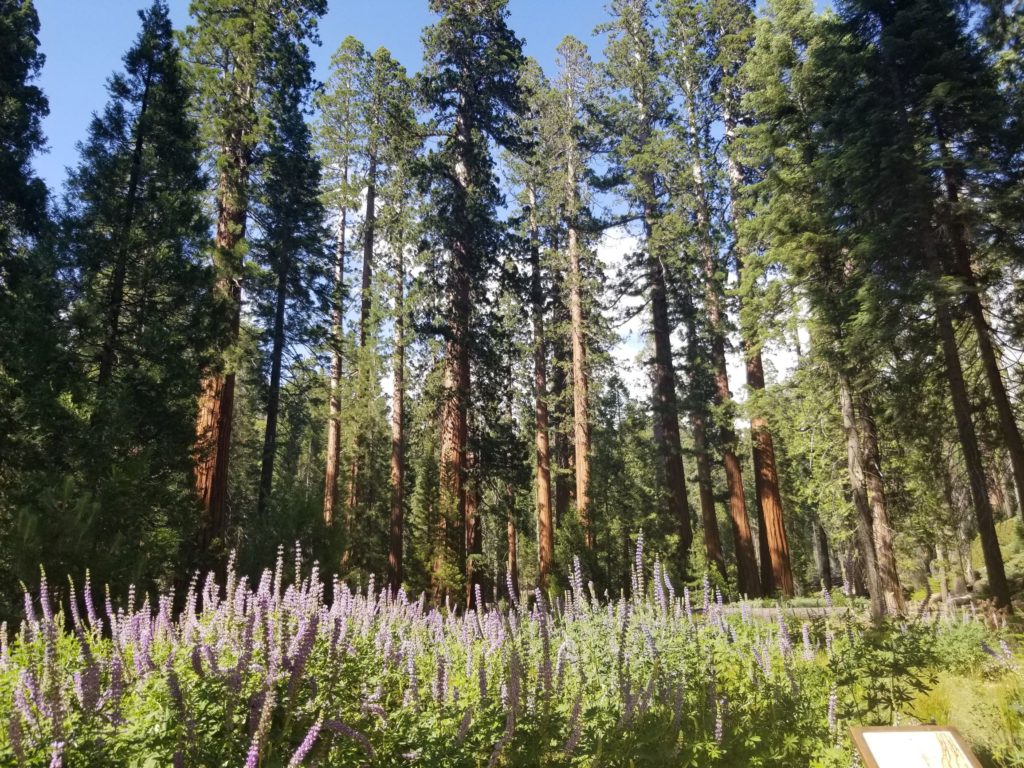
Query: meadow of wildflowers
x,y
278,674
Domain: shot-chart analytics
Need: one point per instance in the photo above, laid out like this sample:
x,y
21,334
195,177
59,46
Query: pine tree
x,y
471,81
694,76
339,131
636,116
135,237
733,22
290,216
231,46
794,221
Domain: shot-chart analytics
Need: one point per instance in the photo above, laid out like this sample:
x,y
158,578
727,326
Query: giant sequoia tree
x,y
637,117
472,83
408,338
232,49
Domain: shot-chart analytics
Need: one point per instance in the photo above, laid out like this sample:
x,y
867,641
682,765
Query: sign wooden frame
x,y
857,734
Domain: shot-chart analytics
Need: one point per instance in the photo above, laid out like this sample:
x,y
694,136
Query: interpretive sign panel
x,y
920,746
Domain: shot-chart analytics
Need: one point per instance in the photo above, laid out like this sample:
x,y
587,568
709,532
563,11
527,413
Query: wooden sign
x,y
918,746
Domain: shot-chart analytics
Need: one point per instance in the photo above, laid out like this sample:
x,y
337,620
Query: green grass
x,y
987,710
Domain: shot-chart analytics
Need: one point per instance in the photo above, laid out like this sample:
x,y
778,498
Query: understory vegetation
x,y
296,670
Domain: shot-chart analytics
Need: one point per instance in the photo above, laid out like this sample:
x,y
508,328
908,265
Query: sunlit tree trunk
x,y
545,530
456,377
217,396
334,402
580,383
882,532
858,488
397,517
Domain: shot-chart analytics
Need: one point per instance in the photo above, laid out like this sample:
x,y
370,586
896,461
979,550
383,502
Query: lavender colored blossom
x,y
785,643
358,737
805,631
575,729
307,744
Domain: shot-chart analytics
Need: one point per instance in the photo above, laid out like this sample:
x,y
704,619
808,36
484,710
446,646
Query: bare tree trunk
x,y
666,412
397,519
580,384
274,392
766,479
776,570
881,527
217,397
963,270
456,381
865,527
972,457
545,531
712,539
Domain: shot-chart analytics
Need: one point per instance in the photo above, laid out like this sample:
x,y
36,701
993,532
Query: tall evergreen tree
x,y
134,237
231,46
471,81
339,130
290,216
637,115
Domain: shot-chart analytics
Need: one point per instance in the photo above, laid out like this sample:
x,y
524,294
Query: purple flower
x,y
467,718
808,650
575,729
785,643
306,745
359,738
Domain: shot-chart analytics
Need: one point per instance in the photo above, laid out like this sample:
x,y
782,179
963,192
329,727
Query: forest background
x,y
745,280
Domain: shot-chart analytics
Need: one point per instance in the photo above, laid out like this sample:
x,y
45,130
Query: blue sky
x,y
83,41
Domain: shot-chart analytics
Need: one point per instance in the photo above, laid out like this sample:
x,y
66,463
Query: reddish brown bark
x,y
885,550
545,530
767,482
216,401
397,517
334,402
456,378
776,572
